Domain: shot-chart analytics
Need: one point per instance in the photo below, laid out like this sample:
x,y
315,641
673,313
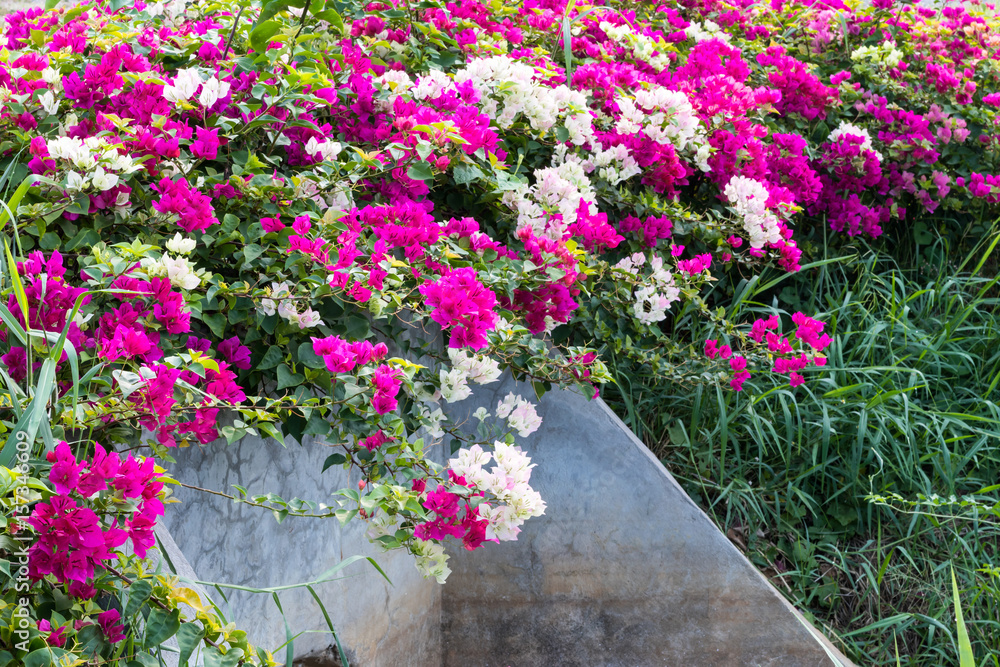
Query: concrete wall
x,y
623,570
378,623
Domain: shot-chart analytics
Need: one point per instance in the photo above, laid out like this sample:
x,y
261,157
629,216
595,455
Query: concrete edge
x,y
173,560
838,658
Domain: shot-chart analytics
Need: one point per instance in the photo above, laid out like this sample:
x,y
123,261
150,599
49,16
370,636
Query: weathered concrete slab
x,y
378,623
623,569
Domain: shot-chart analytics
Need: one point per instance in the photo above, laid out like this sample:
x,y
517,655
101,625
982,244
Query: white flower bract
x,y
180,245
186,82
748,198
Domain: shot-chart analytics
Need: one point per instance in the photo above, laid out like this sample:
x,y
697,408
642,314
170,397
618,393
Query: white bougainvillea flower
x,y
211,91
520,414
52,76
309,318
75,182
748,198
102,180
49,102
328,150
180,245
454,385
186,82
67,148
524,419
478,368
432,561
180,272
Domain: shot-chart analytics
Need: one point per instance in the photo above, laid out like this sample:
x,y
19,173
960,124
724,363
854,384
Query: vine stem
x,y
295,40
232,33
250,502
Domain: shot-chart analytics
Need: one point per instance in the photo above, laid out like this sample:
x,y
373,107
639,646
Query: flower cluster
x,y
510,499
466,367
73,541
654,298
459,302
341,356
788,358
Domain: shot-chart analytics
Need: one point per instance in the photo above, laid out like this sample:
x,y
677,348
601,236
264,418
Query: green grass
x,y
908,404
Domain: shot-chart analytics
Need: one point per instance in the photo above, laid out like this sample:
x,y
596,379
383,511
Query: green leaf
x,y
333,460
31,420
188,637
13,325
90,639
161,626
567,36
245,63
252,252
272,357
62,345
49,241
261,36
214,658
19,294
138,593
290,638
84,238
286,378
357,327
317,425
921,234
424,149
329,624
309,357
332,17
420,171
44,657
14,201
216,322
81,206
144,660
270,9
539,388
467,173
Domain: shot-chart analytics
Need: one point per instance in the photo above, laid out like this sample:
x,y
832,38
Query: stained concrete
x,y
623,569
378,623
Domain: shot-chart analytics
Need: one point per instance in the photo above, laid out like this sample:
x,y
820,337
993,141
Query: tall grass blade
x,y
289,637
965,655
329,623
33,416
19,293
7,211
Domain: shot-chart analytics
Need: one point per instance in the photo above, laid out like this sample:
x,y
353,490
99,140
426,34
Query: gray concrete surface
x,y
378,623
623,570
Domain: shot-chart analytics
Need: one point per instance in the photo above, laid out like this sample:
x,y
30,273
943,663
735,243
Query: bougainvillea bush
x,y
231,219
